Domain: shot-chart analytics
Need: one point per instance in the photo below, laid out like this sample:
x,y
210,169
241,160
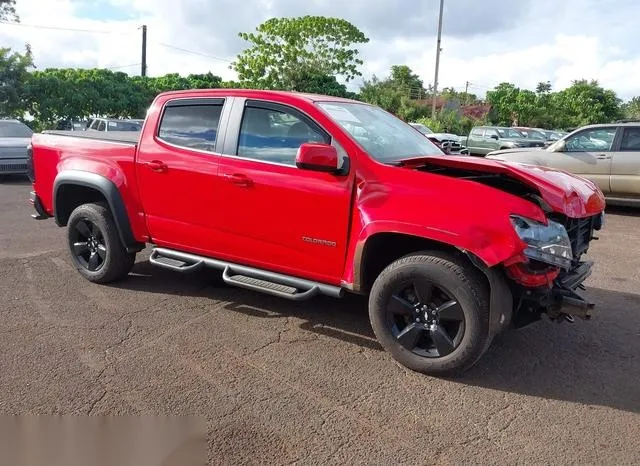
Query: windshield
x,y
14,129
124,126
509,133
385,137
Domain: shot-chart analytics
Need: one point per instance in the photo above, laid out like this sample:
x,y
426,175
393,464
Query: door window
x,y
193,126
102,126
597,139
630,140
490,132
274,135
477,132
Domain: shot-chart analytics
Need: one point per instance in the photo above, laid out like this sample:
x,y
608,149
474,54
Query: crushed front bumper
x,y
566,300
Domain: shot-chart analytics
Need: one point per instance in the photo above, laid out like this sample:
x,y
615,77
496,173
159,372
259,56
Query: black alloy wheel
x,y
425,319
430,311
88,244
95,245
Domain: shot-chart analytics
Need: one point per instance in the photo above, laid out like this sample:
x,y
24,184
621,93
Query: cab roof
x,y
258,94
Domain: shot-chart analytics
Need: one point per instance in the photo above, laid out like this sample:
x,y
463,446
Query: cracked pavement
x,y
306,383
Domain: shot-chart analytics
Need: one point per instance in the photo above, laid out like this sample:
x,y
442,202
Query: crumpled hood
x,y
445,137
565,193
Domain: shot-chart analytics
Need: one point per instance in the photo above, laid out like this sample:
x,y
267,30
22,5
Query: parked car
x,y
71,125
606,154
548,136
114,124
448,142
484,139
296,195
15,137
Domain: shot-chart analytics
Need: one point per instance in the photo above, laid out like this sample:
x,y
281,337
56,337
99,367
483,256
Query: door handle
x,y
238,178
603,157
157,166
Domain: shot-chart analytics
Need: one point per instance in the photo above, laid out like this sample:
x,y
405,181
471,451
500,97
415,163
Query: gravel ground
x,y
283,382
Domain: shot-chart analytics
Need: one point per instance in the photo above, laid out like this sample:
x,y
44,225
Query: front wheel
x,y
430,312
95,246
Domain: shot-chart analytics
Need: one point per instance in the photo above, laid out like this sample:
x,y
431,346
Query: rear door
x,y
625,167
276,215
490,141
475,141
587,153
177,168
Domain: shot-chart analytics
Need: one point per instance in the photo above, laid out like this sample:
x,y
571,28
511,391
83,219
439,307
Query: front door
x,y
625,167
177,174
275,215
588,154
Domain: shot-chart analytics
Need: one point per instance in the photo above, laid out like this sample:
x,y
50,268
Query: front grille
x,y
580,231
13,167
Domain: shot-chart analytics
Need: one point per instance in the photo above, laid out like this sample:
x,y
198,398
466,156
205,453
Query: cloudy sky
x,y
484,41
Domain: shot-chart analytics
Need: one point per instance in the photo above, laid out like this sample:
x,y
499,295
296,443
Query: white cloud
x,y
484,42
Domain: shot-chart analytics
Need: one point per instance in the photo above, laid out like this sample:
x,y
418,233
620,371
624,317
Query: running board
x,y
283,286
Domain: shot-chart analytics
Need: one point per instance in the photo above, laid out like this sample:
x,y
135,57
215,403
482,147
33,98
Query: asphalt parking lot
x,y
301,383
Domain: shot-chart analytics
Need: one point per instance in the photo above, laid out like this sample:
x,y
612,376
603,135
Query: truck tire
x,y
430,311
95,246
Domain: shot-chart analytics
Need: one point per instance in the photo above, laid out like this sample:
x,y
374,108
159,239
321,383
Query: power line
x,y
56,28
194,52
123,66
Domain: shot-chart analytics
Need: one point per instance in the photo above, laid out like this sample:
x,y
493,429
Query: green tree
x,y
8,10
586,102
14,71
281,48
631,109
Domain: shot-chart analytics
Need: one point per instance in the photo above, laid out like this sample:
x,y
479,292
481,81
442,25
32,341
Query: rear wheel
x,y
95,246
430,311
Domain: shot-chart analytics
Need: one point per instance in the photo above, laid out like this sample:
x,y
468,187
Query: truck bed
x,y
125,137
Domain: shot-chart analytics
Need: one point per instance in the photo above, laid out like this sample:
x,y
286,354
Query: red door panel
x,y
284,218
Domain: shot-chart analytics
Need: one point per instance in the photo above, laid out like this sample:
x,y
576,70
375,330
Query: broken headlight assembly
x,y
548,243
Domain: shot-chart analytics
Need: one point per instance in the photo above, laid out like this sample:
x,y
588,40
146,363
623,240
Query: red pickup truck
x,y
297,195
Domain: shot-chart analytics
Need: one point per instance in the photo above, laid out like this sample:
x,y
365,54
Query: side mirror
x,y
494,136
317,157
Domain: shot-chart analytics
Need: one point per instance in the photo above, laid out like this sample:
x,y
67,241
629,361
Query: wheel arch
x,y
73,188
382,248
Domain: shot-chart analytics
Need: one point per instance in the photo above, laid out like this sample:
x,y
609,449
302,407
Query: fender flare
x,y
500,295
112,195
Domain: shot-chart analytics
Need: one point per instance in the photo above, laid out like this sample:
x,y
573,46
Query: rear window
x,y
14,129
191,126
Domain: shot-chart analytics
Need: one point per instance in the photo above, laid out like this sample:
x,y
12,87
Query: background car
x,y
15,137
485,139
114,124
548,136
448,142
606,154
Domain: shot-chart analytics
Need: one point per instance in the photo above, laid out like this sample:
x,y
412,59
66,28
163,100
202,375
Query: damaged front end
x,y
551,283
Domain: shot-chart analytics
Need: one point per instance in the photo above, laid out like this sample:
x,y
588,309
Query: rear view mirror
x,y
317,157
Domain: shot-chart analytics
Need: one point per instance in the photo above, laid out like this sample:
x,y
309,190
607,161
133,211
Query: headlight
x,y
546,243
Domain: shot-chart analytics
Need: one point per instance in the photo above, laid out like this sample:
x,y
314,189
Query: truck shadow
x,y
595,362
14,180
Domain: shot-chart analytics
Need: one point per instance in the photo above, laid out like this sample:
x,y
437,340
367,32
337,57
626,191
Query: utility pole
x,y
143,71
435,80
466,92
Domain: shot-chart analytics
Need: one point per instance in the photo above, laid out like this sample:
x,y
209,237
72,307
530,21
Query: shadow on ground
x,y
14,180
594,362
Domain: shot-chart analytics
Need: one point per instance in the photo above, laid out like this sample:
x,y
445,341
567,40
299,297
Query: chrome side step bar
x,y
276,284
